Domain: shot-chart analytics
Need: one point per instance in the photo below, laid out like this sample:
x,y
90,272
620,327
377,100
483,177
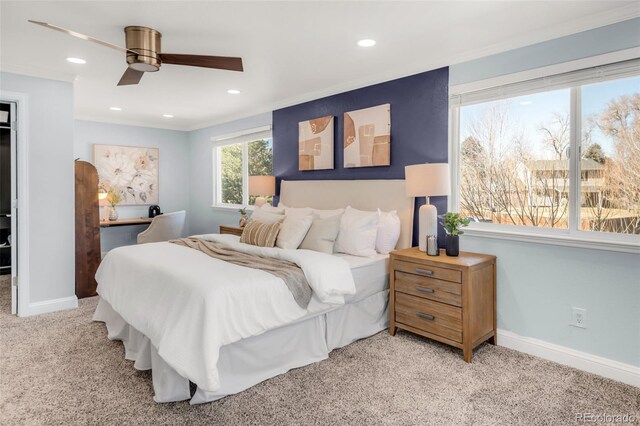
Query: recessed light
x,y
76,61
167,115
367,42
525,103
115,108
233,92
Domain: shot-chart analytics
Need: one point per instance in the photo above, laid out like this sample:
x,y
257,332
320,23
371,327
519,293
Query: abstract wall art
x,y
367,137
315,144
131,170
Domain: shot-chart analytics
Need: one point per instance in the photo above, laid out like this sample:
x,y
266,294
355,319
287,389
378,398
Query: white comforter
x,y
190,304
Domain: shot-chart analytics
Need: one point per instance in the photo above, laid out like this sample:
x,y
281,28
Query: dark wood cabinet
x,y
88,254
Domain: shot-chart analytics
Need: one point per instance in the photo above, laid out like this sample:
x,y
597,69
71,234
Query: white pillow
x,y
293,230
270,209
358,230
322,234
388,231
266,217
323,214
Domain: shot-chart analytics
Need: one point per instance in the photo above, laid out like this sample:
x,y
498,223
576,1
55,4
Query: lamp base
x,y
427,224
260,201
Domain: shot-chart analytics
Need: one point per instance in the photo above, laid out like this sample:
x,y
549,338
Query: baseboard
x,y
604,367
53,305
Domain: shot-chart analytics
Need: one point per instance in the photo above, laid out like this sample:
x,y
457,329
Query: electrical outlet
x,y
579,317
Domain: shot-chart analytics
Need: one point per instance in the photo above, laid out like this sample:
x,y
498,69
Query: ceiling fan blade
x,y
130,76
220,62
81,36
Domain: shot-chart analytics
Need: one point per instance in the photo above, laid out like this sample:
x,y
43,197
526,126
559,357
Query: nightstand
x,y
448,299
234,230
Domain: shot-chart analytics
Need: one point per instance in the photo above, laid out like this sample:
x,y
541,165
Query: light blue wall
x,y
538,284
610,38
174,170
51,185
203,218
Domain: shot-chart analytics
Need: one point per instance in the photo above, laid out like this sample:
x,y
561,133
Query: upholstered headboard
x,y
368,195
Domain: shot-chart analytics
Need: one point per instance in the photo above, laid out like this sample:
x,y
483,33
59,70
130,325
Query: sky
x,y
529,112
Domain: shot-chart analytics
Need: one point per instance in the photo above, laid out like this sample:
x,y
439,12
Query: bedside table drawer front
x,y
429,288
433,317
428,271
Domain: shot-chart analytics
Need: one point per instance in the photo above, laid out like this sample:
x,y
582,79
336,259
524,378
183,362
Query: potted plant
x,y
243,216
452,222
113,198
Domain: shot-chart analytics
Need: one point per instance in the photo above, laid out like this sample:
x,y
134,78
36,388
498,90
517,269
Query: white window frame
x,y
243,137
570,75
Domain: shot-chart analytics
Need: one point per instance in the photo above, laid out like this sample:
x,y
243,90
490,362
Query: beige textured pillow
x,y
322,234
260,234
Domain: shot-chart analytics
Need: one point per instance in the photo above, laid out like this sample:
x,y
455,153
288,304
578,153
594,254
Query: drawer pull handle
x,y
425,316
424,271
424,290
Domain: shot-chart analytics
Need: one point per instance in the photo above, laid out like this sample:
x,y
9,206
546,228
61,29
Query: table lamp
x,y
427,180
102,201
262,186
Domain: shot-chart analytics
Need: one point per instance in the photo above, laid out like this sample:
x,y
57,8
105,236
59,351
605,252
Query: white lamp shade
x,y
262,185
427,180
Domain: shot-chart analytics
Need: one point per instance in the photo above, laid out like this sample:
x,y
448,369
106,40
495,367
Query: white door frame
x,y
20,207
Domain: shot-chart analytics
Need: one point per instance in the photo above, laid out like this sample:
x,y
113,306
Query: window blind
x,y
597,74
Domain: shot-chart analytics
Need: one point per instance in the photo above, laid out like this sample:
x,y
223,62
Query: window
x,y
235,158
514,155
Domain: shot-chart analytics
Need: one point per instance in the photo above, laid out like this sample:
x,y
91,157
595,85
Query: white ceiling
x,y
292,51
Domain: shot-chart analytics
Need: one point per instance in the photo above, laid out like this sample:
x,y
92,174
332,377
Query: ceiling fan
x,y
144,53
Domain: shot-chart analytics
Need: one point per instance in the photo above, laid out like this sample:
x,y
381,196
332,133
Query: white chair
x,y
164,227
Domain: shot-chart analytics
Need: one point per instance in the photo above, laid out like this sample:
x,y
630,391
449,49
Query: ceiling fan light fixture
x,y
78,61
141,66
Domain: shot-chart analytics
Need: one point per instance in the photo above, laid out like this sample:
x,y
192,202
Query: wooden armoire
x,y
88,254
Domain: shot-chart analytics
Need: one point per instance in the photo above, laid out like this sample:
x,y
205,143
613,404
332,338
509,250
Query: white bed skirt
x,y
250,361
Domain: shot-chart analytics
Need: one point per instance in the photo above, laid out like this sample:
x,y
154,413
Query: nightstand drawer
x,y
433,317
429,288
429,271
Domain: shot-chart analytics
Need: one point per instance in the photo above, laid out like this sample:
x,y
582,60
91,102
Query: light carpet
x,y
60,369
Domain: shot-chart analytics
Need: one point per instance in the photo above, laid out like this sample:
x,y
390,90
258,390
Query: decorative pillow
x,y
270,209
322,234
358,230
264,216
322,214
388,231
260,234
293,230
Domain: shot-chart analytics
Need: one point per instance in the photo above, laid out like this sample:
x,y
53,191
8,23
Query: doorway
x,y
8,211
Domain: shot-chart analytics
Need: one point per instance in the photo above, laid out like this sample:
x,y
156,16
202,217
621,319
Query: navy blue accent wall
x,y
419,117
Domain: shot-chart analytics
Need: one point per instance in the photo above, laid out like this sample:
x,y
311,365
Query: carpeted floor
x,y
60,369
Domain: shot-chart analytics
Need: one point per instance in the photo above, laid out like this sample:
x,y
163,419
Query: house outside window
x,y
551,156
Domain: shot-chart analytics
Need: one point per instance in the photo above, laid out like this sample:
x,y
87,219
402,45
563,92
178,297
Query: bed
x,y
226,343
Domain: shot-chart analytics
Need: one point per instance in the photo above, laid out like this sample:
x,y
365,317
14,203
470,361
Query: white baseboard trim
x,y
53,305
604,367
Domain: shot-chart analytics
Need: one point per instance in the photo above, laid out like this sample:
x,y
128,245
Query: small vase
x,y
452,245
113,213
243,222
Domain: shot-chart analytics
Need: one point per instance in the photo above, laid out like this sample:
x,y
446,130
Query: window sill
x,y
556,239
229,208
